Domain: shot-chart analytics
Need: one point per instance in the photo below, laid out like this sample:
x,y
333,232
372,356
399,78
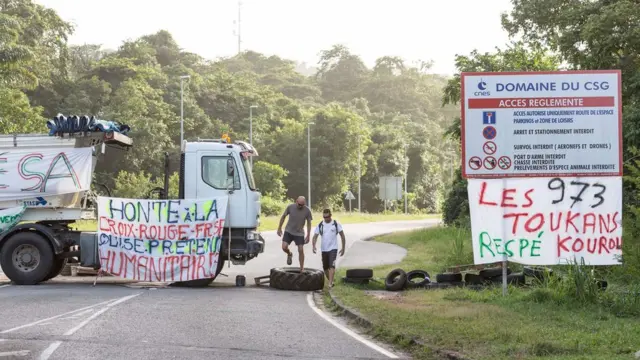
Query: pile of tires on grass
x,y
398,279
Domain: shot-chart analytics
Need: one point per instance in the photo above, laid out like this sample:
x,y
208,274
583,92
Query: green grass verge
x,y
271,222
527,324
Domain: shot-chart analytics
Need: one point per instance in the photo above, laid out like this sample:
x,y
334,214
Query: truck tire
x,y
27,258
200,282
58,266
290,278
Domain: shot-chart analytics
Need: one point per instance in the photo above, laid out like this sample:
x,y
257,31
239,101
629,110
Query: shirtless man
x,y
294,231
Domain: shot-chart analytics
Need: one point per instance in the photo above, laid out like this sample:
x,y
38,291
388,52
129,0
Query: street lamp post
x,y
309,163
359,176
251,128
182,108
406,170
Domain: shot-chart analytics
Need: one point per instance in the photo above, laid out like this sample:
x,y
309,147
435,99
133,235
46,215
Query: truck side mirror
x,y
230,168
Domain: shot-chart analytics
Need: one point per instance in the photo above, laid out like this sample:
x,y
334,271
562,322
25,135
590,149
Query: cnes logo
x,y
39,201
482,89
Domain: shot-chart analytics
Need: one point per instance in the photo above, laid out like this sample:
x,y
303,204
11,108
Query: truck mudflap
x,y
89,255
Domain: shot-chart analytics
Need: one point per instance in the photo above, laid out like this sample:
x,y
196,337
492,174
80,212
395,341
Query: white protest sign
x,y
160,240
26,173
546,221
543,124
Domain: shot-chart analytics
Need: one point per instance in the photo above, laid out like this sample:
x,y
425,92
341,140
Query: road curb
x,y
401,338
350,313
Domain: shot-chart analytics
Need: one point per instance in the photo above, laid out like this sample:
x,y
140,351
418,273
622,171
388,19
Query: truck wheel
x,y
200,282
290,278
58,265
27,258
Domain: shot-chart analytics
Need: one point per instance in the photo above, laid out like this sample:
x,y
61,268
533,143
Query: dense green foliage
x,y
354,109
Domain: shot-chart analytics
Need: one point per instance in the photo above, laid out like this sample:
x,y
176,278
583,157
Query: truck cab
x,y
215,167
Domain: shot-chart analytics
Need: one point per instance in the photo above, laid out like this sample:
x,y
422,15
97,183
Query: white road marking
x,y
53,317
77,315
100,312
49,351
5,285
54,346
14,353
366,342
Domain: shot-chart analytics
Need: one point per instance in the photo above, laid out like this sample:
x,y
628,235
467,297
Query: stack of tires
x,y
484,277
358,276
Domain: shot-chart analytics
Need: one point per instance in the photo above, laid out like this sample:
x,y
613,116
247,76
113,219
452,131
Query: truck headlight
x,y
253,235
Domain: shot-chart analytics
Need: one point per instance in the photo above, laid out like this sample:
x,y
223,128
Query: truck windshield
x,y
246,162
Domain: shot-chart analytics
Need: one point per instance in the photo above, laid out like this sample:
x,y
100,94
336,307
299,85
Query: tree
x,y
517,57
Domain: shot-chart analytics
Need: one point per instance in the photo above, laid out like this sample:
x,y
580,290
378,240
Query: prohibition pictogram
x,y
489,132
490,162
475,163
489,148
504,162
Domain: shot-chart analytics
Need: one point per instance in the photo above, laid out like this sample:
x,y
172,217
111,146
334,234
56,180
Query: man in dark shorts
x,y
329,231
298,214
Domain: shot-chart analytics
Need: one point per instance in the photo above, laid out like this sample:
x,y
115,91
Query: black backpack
x,y
321,225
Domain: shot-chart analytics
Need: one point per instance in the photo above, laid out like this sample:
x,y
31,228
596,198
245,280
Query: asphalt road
x,y
62,320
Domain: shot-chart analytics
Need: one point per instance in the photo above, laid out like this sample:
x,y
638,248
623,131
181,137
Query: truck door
x,y
214,180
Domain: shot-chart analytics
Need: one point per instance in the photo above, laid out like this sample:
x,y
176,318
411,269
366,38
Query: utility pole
x,y
182,108
239,25
309,163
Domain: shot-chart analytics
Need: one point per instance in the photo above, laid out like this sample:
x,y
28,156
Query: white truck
x,y
38,248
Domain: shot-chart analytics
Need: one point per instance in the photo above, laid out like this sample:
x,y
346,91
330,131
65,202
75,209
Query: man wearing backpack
x,y
329,231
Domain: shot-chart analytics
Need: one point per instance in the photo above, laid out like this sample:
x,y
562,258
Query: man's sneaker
x,y
289,258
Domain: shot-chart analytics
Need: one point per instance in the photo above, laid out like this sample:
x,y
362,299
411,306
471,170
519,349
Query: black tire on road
x,y
200,282
290,278
21,273
396,280
58,266
449,278
359,273
418,274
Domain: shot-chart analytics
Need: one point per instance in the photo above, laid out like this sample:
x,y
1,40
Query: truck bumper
x,y
244,249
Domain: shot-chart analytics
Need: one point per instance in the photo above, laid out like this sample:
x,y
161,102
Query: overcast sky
x,y
297,29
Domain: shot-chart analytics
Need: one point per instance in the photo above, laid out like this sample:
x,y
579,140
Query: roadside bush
x,y
455,208
271,207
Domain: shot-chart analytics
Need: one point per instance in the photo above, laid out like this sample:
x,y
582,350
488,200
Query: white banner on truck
x,y
26,173
160,240
10,217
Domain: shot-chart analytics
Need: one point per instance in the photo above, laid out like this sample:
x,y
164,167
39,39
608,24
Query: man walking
x,y
329,231
294,231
